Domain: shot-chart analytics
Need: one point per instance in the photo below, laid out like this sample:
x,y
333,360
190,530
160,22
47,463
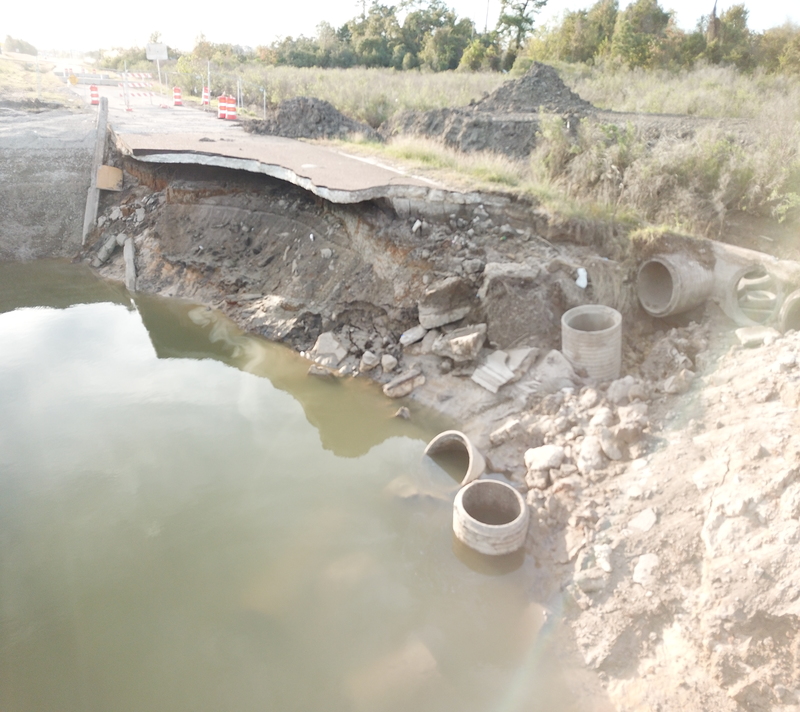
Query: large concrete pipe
x,y
591,338
749,285
456,440
673,284
490,517
789,317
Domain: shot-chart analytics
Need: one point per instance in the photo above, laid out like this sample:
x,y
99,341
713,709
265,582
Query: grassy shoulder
x,y
621,174
22,81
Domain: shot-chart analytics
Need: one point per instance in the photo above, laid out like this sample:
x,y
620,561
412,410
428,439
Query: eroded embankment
x,y
646,539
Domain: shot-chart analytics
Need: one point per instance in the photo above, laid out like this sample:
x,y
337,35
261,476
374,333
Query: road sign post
x,y
156,51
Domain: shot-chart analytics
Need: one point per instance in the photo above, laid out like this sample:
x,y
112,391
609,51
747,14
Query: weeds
x,y
689,184
707,90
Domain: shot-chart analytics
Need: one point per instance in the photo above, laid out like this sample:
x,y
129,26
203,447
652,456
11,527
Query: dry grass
x,y
369,95
707,90
18,80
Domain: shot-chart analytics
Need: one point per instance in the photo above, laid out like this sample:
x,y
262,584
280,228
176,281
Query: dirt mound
x,y
494,123
306,117
33,106
541,89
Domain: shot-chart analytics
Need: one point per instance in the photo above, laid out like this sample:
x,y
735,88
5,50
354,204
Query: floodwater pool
x,y
190,522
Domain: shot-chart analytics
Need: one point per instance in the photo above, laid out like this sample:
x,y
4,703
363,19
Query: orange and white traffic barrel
x,y
176,96
94,94
231,116
206,97
222,107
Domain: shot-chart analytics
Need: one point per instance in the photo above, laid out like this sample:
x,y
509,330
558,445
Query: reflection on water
x,y
177,534
349,414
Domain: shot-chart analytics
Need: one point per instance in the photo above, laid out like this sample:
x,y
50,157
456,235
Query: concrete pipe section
x,y
748,285
673,284
490,517
789,317
456,440
591,338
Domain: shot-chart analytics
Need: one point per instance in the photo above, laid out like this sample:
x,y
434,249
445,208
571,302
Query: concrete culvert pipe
x,y
789,317
591,338
672,284
490,517
456,440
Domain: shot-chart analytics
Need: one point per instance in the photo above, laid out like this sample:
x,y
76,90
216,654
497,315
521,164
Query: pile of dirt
x,y
306,117
541,89
32,106
505,121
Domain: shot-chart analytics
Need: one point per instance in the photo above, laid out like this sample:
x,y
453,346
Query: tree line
x,y
645,35
427,34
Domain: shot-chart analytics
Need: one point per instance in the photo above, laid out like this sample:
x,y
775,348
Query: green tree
x,y
445,45
12,45
772,43
581,36
374,37
790,57
638,33
482,54
516,21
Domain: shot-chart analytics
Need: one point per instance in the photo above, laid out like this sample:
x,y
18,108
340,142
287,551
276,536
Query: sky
x,y
98,24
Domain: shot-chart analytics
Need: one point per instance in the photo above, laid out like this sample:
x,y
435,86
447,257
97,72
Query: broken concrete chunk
x,y
552,374
645,573
326,253
609,444
426,345
603,417
461,345
317,370
129,255
633,420
412,335
644,521
445,301
510,429
368,361
388,363
105,251
618,390
544,458
472,266
679,383
494,372
139,215
519,360
328,351
590,455
403,384
591,580
751,336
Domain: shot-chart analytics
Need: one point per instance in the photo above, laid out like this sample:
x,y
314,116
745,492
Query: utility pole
x,y
486,24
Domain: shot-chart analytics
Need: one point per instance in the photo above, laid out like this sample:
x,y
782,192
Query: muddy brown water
x,y
189,522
